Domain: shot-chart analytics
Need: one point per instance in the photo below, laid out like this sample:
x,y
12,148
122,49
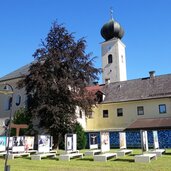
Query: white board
x,y
144,141
105,141
43,143
10,142
122,140
70,142
155,140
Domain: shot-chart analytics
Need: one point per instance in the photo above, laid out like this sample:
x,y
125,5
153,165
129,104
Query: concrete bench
x,y
67,157
158,152
43,155
13,155
145,158
3,153
124,152
104,157
92,152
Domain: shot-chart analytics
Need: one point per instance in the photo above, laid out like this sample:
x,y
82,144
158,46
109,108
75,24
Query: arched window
x,y
110,60
81,115
18,100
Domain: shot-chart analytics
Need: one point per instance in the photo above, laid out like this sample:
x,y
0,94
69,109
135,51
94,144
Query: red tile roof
x,y
151,123
94,88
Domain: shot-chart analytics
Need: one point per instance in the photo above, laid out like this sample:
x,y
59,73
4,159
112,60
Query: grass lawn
x,y
122,163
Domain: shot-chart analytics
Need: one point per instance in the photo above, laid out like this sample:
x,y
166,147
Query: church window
x,y
89,113
110,60
81,115
140,110
18,100
119,112
162,108
105,114
122,58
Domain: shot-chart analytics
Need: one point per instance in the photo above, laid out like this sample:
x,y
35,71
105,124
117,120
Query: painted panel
x,y
43,143
18,144
2,143
105,141
93,140
122,140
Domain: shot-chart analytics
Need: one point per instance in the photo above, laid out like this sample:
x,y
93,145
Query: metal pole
x,y
7,167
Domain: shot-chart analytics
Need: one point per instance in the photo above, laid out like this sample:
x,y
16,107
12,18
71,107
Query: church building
x,y
123,105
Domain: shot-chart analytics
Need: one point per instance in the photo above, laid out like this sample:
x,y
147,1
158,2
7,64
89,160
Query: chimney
x,y
152,74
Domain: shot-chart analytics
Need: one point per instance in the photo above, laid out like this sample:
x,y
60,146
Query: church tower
x,y
113,53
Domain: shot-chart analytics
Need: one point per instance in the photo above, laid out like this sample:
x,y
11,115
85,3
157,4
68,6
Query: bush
x,y
81,137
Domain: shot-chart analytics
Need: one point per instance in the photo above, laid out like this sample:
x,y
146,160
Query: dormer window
x,y
110,60
99,96
107,80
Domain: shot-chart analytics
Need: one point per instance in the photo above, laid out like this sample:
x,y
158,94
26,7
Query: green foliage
x,y
81,137
21,117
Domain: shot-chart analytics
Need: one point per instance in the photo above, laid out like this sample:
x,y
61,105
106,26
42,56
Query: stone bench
x,y
158,152
92,152
11,156
3,153
104,157
43,155
145,158
124,152
68,157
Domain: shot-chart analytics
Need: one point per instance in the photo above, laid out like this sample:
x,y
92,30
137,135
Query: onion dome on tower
x,y
112,29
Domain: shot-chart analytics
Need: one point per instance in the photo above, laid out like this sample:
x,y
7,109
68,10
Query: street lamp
x,y
7,92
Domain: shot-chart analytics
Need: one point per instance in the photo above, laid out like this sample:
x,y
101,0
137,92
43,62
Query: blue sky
x,y
147,25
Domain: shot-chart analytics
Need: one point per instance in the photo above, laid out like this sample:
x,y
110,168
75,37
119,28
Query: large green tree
x,y
57,80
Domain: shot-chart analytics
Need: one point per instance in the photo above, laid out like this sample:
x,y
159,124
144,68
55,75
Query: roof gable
x,y
17,73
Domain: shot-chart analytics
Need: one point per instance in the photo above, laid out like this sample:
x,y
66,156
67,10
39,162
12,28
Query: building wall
x,y
81,117
4,101
113,122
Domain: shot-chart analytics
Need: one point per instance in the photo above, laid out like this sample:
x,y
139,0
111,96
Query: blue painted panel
x,y
133,139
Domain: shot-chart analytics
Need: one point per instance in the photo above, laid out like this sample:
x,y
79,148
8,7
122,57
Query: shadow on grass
x,y
2,157
125,160
134,154
51,158
169,153
86,159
